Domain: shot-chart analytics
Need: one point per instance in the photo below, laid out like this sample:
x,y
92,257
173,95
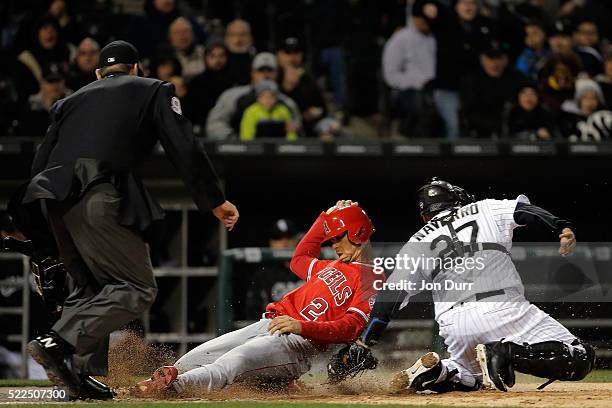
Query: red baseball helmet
x,y
352,220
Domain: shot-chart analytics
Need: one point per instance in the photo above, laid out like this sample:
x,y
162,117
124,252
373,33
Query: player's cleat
x,y
494,362
94,389
421,376
55,355
160,382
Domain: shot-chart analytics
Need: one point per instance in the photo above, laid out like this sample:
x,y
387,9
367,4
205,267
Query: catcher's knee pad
x,y
553,359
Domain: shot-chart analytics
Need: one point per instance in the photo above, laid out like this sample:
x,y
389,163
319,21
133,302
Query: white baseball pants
x,y
246,354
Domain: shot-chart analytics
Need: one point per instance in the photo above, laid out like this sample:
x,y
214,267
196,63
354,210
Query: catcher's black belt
x,y
484,246
483,295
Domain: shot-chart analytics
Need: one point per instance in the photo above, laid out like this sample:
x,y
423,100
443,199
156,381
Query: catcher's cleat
x,y
421,376
55,355
161,381
497,372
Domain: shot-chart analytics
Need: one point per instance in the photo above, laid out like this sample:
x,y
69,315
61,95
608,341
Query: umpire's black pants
x,y
111,273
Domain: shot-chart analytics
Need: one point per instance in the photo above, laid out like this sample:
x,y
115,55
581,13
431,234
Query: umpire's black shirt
x,y
103,131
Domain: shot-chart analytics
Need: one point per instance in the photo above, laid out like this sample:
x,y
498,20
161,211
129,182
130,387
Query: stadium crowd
x,y
526,69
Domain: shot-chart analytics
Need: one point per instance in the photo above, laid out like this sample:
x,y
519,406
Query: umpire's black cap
x,y
118,52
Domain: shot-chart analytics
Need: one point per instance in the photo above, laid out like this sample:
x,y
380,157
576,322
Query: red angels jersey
x,y
335,302
332,289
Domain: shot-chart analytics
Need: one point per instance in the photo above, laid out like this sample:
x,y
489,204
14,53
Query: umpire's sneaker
x,y
55,355
421,376
94,389
494,360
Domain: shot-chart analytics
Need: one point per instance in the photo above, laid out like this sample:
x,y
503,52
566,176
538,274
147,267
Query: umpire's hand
x,y
228,214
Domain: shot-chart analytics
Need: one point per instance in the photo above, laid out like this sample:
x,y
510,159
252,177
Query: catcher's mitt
x,y
350,361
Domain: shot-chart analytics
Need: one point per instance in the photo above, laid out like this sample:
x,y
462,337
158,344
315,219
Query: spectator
x,y
527,119
204,90
586,40
408,63
224,119
168,68
536,49
268,109
47,50
578,122
149,31
333,29
560,38
299,86
557,81
461,33
68,29
9,96
605,80
485,94
189,54
82,70
34,118
239,42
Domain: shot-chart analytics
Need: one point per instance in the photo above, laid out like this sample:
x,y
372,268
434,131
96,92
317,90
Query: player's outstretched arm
x,y
529,214
387,302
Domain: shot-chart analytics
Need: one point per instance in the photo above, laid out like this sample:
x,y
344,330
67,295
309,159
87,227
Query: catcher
x,y
490,330
332,306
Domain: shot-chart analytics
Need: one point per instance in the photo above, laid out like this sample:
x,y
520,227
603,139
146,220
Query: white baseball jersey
x,y
451,275
464,321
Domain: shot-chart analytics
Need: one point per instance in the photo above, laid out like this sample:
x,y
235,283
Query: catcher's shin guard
x,y
551,359
554,360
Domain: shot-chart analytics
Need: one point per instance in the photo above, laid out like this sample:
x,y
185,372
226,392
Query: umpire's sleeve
x,y
48,143
176,136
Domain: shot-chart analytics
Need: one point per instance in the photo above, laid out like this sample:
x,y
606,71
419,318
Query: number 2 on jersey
x,y
316,308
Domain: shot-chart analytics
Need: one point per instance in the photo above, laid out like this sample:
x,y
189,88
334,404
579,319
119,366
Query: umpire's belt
x,y
484,246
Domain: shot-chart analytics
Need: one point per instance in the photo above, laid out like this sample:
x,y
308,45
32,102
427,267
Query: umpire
x,y
84,179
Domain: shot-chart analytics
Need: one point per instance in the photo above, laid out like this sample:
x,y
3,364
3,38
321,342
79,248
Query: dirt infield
x,y
372,390
363,391
131,360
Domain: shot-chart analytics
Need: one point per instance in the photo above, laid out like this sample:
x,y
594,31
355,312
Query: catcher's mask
x,y
351,220
438,195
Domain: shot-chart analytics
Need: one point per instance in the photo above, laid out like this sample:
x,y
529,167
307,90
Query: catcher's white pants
x,y
246,354
511,318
